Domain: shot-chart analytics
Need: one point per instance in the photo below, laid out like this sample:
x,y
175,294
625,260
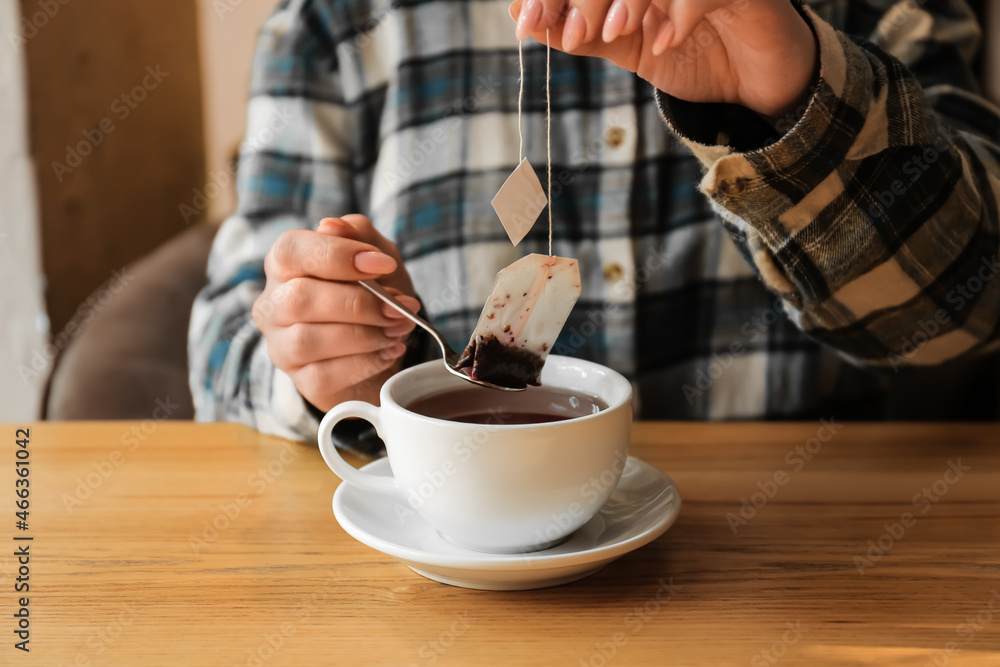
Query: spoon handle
x,y
449,354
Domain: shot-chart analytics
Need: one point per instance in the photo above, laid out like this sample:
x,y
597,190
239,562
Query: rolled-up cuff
x,y
744,154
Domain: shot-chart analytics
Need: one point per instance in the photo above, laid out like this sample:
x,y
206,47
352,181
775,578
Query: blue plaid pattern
x,y
726,270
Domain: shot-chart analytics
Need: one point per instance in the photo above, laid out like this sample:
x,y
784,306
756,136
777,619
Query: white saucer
x,y
643,506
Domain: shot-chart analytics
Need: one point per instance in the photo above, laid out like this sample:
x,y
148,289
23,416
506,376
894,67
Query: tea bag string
x,y
520,97
548,118
548,126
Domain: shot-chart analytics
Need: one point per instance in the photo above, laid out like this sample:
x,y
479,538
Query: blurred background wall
x,y
22,311
228,33
135,108
116,133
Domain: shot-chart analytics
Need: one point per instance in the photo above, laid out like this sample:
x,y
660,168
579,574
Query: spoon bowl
x,y
450,356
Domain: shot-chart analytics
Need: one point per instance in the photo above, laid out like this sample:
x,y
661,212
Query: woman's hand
x,y
757,53
335,339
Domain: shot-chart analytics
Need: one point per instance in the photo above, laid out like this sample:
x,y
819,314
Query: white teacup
x,y
498,488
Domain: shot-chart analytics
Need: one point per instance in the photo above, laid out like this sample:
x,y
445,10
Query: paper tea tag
x,y
522,319
519,201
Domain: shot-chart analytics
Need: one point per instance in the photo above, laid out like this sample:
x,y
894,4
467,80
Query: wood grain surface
x,y
127,570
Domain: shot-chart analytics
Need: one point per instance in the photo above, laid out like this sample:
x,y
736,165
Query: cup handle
x,y
343,469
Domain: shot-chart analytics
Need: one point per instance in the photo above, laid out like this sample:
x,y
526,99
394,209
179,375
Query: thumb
x,y
359,228
690,16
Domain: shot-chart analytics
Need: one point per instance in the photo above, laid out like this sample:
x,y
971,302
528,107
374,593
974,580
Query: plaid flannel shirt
x,y
829,267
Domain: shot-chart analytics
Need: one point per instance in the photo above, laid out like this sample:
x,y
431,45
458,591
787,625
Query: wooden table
x,y
126,568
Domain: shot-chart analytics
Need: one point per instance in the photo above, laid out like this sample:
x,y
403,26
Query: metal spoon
x,y
450,356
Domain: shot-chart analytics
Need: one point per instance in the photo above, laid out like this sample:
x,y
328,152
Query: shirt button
x,y
613,272
734,187
615,137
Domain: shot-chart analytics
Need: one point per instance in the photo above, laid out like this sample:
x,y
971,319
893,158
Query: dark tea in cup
x,y
534,405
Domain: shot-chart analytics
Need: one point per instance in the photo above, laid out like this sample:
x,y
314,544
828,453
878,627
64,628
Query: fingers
x,y
358,227
576,25
332,337
312,300
659,29
539,15
572,24
584,22
624,50
331,381
295,346
685,16
527,15
624,18
301,252
614,24
538,33
410,302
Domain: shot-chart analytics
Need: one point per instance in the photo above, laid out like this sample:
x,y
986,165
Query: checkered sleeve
x,y
294,169
874,214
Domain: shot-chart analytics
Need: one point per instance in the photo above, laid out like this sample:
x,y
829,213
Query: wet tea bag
x,y
533,296
521,320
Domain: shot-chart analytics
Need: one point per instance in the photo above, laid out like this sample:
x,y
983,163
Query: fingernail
x,y
389,311
531,14
374,262
393,351
574,30
663,37
330,223
412,304
615,23
397,330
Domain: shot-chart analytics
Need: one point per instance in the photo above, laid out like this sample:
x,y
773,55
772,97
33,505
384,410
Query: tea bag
x,y
519,201
521,320
533,296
